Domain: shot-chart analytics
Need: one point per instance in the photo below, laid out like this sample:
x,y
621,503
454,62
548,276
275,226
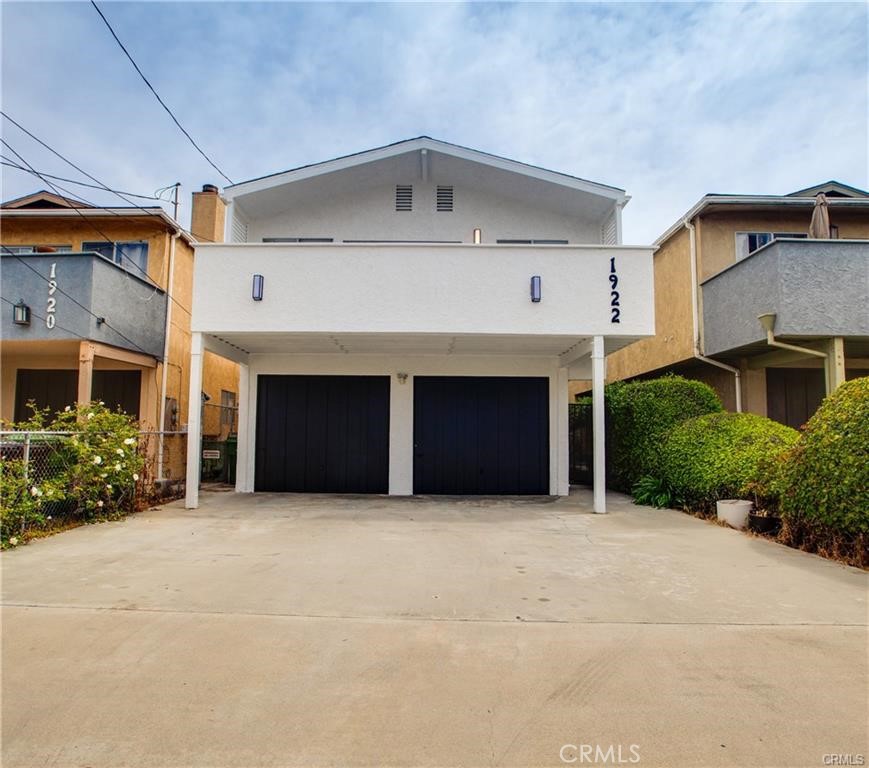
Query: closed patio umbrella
x,y
819,229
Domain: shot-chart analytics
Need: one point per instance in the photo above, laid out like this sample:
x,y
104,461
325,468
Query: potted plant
x,y
734,512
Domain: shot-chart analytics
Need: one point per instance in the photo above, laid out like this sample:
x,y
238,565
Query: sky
x,y
667,101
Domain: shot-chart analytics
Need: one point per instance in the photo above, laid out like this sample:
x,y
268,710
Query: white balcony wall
x,y
422,289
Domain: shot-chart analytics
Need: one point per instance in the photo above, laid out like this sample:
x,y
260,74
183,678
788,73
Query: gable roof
x,y
805,198
423,143
830,188
44,199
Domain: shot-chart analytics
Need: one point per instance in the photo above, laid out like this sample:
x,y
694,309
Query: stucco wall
x,y
134,310
816,288
372,216
422,289
673,322
218,373
716,232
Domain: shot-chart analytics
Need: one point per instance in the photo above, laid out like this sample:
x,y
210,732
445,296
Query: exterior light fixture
x,y
478,236
257,292
21,313
536,289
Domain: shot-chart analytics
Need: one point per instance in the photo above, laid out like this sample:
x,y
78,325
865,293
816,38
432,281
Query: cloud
x,y
667,101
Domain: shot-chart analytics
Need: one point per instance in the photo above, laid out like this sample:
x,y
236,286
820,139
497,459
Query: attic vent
x,y
445,198
403,197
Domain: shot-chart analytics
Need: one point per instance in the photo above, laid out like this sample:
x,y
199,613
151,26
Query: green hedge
x,y
719,455
826,476
641,413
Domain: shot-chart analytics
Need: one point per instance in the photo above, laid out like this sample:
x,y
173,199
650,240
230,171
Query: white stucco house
x,y
407,319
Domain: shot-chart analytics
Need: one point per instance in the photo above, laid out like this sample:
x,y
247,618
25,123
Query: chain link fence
x,y
43,457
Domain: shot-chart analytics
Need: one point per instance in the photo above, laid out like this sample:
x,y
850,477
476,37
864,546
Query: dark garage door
x,y
481,435
323,434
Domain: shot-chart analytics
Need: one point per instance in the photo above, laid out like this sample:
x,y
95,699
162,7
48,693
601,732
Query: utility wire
x,y
157,95
39,317
92,225
9,164
97,317
90,176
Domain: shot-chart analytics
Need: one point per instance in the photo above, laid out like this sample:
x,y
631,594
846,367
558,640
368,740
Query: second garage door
x,y
481,435
322,434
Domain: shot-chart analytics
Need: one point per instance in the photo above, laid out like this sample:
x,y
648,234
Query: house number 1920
x,y
51,306
615,308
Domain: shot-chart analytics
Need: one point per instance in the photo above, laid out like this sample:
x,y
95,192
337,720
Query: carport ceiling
x,y
407,344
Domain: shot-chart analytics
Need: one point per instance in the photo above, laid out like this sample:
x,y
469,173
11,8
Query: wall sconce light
x,y
402,377
478,236
257,293
536,289
21,313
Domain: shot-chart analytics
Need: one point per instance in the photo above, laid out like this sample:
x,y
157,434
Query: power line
x,y
98,318
90,176
157,95
92,225
38,317
9,164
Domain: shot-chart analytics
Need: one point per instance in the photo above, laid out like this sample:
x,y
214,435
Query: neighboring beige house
x,y
100,324
732,258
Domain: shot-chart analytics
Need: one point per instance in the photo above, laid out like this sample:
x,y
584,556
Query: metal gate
x,y
581,448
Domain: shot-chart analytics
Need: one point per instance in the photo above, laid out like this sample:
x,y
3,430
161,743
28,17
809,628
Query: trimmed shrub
x,y
641,414
826,476
719,455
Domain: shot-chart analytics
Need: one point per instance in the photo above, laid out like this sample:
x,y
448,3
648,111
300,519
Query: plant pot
x,y
763,524
734,512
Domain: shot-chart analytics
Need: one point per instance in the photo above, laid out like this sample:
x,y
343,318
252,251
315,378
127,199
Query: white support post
x,y
401,447
598,379
563,432
243,483
194,423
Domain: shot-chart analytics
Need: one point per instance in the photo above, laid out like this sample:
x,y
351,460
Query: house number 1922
x,y
614,294
51,306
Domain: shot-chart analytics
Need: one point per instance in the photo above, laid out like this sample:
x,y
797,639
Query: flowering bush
x,y
90,473
103,463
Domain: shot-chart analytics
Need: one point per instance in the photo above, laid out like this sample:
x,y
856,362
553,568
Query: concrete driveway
x,y
274,630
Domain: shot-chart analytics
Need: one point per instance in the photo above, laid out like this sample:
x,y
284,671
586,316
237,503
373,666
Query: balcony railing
x,y
82,296
816,288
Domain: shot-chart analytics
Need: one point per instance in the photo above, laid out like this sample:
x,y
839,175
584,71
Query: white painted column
x,y
194,422
598,379
243,479
401,446
563,434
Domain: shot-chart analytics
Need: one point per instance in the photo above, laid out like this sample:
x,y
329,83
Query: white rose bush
x,y
92,474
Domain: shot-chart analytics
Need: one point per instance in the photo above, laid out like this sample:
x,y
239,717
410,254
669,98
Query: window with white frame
x,y
748,242
19,250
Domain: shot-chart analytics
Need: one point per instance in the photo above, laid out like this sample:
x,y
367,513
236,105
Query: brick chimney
x,y
208,215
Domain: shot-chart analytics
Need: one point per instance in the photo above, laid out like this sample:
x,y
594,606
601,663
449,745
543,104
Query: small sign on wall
x,y
211,454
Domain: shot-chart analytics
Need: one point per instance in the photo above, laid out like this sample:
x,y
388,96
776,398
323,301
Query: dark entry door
x,y
322,434
118,389
481,435
794,394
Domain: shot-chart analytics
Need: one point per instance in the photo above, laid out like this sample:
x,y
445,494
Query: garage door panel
x,y
323,434
481,435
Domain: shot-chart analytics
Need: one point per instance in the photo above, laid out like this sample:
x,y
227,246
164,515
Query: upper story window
x,y
298,240
403,197
445,198
131,255
748,242
22,249
531,242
